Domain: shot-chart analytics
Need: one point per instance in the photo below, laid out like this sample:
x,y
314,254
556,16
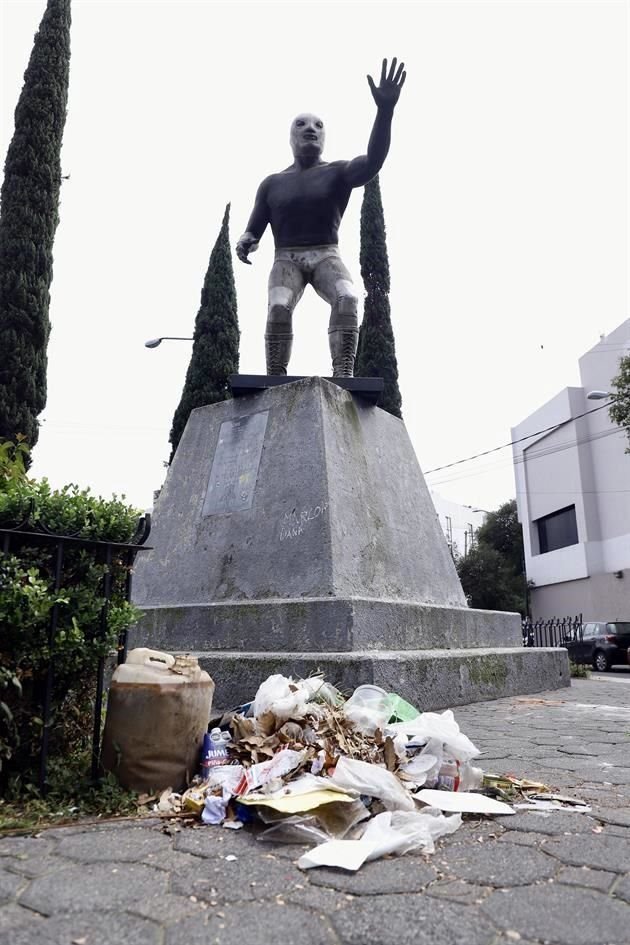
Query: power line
x,y
533,454
555,426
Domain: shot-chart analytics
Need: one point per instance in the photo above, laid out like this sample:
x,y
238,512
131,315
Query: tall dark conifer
x,y
376,355
215,345
28,220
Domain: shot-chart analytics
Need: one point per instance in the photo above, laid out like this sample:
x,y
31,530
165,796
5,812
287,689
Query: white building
x,y
573,495
459,523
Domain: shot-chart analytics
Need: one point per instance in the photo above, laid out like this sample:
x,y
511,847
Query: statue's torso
x,y
306,206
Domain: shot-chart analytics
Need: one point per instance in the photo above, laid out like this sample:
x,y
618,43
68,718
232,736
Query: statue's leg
x,y
333,282
286,285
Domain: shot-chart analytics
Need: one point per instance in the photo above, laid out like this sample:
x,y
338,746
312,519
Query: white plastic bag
x,y
372,780
440,726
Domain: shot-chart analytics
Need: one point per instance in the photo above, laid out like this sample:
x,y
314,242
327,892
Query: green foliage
x,y
376,354
619,410
216,337
578,670
492,571
85,631
28,221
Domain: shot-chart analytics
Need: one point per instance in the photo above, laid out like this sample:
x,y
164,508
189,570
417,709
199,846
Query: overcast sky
x,y
505,195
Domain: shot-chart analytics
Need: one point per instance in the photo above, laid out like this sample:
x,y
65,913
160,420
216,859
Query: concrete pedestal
x,y
295,532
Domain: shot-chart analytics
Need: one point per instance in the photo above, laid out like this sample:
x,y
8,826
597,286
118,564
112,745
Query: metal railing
x,y
554,631
12,541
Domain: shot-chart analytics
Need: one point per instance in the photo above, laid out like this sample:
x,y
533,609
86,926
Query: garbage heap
x,y
360,777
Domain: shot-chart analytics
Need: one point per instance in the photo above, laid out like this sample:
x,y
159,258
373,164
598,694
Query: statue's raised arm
x,y
362,169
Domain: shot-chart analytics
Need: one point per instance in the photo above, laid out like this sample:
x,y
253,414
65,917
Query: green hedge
x,y
27,597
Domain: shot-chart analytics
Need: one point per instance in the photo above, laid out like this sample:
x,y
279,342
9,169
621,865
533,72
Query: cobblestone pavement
x,y
531,878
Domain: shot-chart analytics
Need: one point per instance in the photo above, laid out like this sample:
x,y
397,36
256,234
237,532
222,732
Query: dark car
x,y
602,645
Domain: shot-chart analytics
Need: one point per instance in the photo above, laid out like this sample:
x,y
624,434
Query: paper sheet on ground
x,y
296,803
463,802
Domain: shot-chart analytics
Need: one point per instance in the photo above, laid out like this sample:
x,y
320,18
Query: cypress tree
x,y
215,340
376,354
28,221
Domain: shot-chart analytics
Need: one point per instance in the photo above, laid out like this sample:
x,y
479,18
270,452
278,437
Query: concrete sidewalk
x,y
560,878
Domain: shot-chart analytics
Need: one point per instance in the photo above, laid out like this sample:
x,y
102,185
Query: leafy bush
x,y
85,630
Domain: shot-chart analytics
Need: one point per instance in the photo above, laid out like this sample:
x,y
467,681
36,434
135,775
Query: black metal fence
x,y
15,539
555,631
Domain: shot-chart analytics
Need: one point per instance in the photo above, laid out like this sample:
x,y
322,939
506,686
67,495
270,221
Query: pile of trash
x,y
360,777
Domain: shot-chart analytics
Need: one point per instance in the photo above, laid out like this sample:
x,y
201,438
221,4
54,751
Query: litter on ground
x,y
360,778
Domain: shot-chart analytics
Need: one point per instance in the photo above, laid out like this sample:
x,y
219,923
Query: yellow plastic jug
x,y
157,713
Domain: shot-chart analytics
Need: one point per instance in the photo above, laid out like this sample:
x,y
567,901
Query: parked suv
x,y
602,645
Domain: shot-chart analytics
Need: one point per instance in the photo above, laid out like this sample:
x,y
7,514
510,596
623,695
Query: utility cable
x,y
554,426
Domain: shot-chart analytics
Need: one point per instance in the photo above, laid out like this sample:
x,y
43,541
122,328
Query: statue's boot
x,y
278,351
343,349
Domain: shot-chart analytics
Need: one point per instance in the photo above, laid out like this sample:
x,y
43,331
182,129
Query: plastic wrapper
x,y
372,780
368,708
215,808
277,767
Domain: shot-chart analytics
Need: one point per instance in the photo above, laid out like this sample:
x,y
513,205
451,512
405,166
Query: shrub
x,y
85,630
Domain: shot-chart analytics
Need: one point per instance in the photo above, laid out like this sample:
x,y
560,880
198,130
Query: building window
x,y
557,530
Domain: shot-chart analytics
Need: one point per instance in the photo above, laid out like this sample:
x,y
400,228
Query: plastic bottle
x,y
214,751
157,712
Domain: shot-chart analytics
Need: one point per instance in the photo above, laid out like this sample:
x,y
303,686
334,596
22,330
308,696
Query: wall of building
x,y
598,597
581,463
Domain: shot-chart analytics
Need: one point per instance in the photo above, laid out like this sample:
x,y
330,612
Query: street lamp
x,y
154,342
598,395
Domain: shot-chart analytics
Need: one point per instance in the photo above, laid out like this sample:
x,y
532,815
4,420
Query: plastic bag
x,y
372,780
402,831
400,710
285,699
297,829
439,726
368,708
398,832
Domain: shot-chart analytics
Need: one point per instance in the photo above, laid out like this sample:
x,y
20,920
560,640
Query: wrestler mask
x,y
307,135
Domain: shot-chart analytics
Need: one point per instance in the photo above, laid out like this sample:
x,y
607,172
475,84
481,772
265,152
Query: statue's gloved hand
x,y
246,245
388,91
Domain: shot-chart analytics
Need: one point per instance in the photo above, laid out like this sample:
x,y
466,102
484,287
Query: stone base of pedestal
x,y
429,679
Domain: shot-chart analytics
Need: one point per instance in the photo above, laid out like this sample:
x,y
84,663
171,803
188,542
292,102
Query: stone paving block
x,y
411,920
246,878
622,889
550,823
97,928
559,914
254,923
495,864
403,874
32,866
320,899
95,886
212,842
595,850
12,916
522,838
10,884
613,815
583,876
116,846
458,891
24,847
167,909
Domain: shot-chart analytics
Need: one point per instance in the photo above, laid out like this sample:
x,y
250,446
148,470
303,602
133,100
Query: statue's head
x,y
307,136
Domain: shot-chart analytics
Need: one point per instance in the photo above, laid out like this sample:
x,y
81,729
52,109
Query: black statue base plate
x,y
368,388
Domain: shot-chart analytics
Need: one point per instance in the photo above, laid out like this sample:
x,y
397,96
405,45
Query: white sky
x,y
505,195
